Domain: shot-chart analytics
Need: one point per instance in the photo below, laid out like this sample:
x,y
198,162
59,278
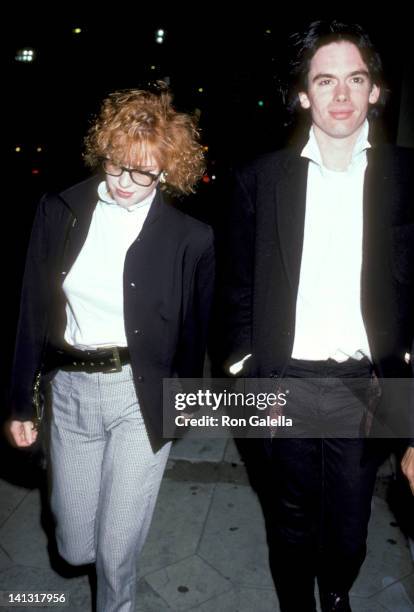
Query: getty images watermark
x,y
217,401
280,407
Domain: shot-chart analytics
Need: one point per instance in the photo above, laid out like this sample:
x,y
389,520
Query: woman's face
x,y
124,189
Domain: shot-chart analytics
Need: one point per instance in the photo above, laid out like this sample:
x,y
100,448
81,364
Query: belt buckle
x,y
115,359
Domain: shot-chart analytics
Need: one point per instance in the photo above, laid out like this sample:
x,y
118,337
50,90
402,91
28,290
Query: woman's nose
x,y
125,179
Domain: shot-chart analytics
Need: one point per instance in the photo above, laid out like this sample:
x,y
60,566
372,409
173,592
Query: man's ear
x,y
374,94
304,100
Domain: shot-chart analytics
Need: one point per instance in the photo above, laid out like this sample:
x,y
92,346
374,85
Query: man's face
x,y
339,90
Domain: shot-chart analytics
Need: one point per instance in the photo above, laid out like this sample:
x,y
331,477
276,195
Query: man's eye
x,y
325,82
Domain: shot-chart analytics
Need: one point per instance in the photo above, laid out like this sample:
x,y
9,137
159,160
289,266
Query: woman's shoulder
x,y
87,184
69,199
67,192
186,223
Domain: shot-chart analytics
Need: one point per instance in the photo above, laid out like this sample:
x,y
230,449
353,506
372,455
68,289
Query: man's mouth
x,y
341,114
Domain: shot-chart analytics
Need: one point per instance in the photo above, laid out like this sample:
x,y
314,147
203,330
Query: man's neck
x,y
336,153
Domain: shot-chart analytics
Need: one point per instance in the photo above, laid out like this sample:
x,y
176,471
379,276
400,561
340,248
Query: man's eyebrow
x,y
327,75
362,72
323,75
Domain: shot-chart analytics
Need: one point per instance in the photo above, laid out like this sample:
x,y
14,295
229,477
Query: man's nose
x,y
341,92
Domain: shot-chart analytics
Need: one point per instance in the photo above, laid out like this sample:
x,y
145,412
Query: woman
x,y
116,297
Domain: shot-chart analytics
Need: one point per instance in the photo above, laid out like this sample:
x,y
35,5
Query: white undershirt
x,y
329,322
94,285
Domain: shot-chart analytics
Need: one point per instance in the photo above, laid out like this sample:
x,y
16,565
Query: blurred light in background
x,y
25,55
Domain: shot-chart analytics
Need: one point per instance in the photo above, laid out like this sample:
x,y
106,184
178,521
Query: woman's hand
x,y
21,433
407,466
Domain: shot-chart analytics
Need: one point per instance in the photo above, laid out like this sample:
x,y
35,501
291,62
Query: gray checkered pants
x,y
105,479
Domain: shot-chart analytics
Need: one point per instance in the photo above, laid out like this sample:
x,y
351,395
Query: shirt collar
x,y
105,197
311,149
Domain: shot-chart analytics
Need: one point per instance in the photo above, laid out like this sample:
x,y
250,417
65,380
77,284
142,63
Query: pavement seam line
x,y
17,507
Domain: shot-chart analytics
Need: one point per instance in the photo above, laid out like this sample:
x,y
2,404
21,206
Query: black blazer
x,y
168,287
263,250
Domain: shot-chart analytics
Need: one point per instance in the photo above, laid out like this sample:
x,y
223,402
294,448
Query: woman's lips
x,y
123,194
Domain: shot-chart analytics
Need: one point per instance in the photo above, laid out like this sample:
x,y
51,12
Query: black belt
x,y
109,359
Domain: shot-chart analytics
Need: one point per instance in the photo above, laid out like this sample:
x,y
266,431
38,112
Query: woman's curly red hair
x,y
135,123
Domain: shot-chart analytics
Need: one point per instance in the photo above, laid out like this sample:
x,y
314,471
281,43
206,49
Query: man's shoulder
x,y
393,154
272,162
393,163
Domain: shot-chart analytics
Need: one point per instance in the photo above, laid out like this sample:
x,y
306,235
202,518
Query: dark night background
x,y
48,103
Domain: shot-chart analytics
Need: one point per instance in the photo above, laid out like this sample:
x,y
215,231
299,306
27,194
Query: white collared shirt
x,y
329,322
94,285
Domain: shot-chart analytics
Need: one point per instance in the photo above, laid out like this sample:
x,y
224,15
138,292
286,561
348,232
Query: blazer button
x,y
132,285
137,331
140,378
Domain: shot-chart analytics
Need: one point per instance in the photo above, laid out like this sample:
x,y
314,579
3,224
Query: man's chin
x,y
343,130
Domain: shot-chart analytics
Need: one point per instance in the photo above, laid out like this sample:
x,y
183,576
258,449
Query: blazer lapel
x,y
378,193
154,213
290,212
81,200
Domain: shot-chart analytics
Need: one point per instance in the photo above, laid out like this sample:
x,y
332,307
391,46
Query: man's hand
x,y
22,433
407,466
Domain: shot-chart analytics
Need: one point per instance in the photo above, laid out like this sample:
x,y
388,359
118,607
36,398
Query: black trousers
x,y
322,486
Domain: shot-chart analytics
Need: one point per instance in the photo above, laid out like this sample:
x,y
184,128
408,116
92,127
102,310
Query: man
x,y
320,286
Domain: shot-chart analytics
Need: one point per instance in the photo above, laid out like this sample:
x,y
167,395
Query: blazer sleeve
x,y
199,288
411,416
32,322
232,334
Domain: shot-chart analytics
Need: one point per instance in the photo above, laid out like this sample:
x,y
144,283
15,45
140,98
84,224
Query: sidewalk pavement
x,y
206,550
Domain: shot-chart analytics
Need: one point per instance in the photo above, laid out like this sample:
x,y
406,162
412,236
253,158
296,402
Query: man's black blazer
x,y
263,249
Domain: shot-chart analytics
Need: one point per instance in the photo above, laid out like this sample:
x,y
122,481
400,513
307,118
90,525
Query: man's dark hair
x,y
305,44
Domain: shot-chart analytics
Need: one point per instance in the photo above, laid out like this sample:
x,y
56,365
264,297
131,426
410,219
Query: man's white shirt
x,y
329,321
